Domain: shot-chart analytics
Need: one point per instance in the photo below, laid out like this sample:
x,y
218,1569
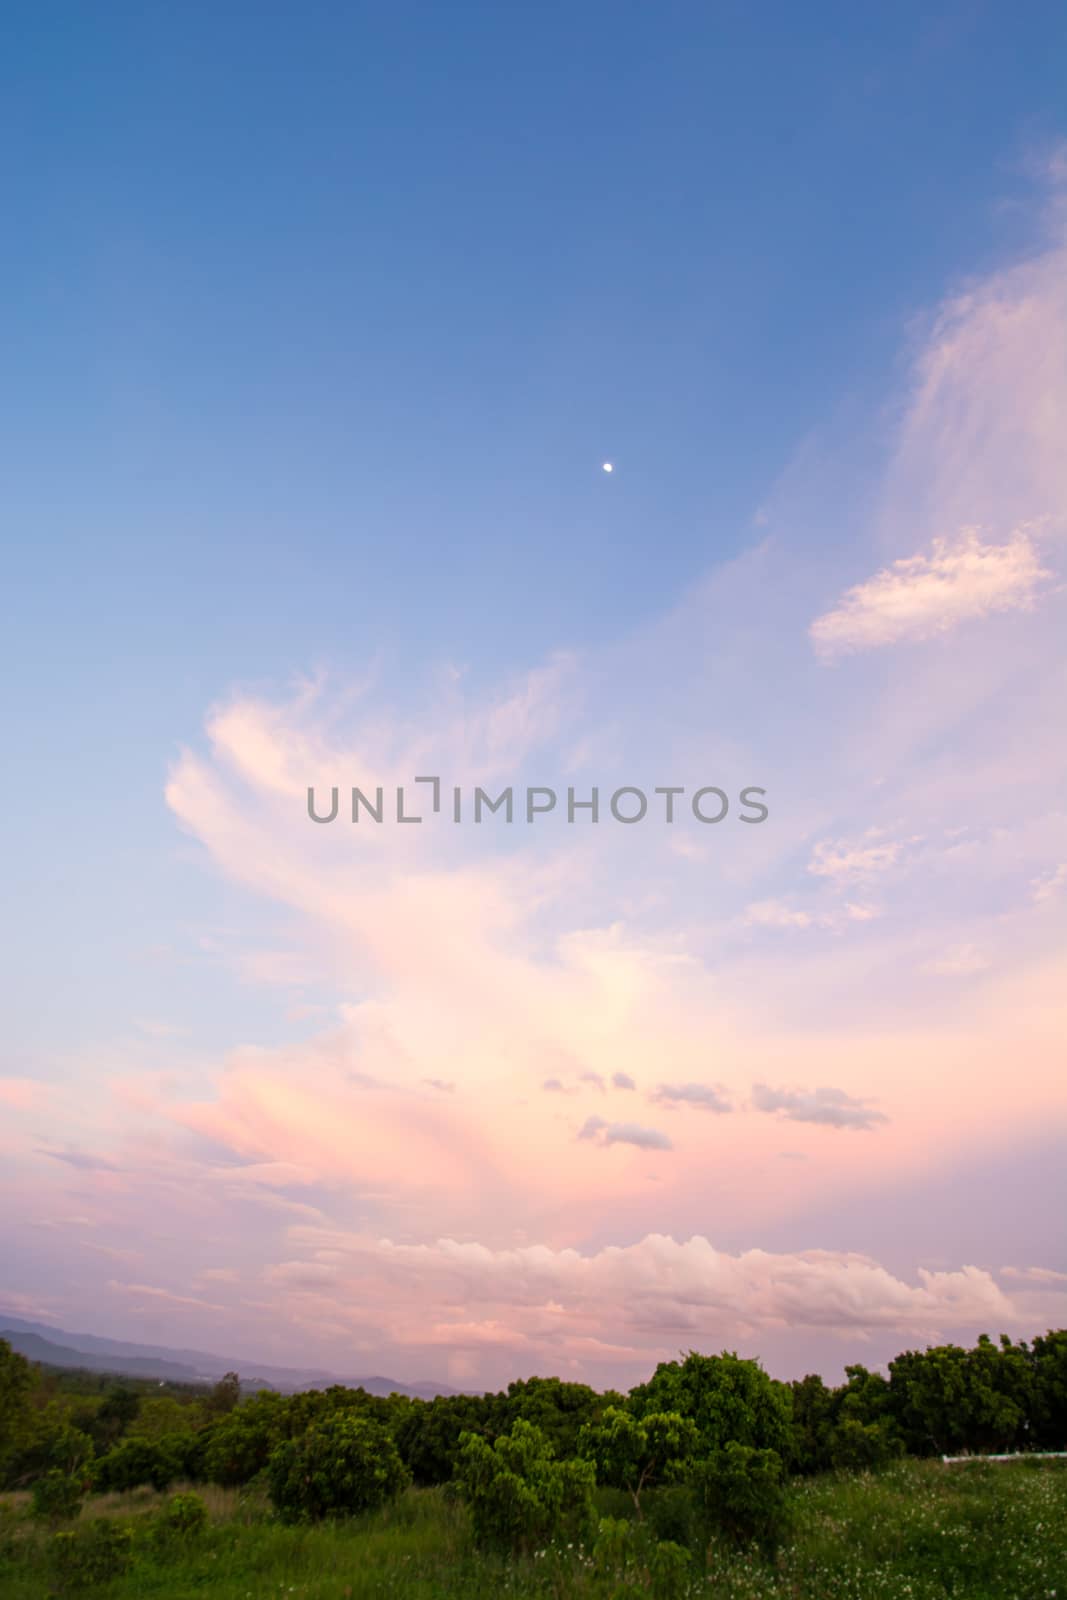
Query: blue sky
x,y
318,324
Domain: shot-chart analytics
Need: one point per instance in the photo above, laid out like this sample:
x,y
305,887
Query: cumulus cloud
x,y
622,1080
649,1292
701,1096
924,595
608,1133
832,1108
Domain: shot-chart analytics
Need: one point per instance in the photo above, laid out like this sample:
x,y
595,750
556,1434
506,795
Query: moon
x,y
608,467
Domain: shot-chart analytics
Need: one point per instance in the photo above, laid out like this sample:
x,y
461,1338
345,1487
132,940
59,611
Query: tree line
x,y
709,1439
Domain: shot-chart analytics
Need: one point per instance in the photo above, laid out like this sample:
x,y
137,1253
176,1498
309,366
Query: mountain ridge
x,y
39,1341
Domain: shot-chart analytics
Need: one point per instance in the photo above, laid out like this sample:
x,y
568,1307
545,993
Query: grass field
x,y
915,1531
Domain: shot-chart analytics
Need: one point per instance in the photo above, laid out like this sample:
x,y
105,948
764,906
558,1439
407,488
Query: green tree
x,y
17,1382
346,1462
741,1494
239,1446
1048,1406
558,1408
729,1399
224,1396
814,1412
57,1496
138,1462
428,1434
161,1415
636,1453
519,1495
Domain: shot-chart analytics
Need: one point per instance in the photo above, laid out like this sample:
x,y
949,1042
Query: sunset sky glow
x,y
467,1101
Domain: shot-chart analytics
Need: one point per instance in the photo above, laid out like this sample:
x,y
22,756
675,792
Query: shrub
x,y
344,1463
518,1495
57,1496
668,1570
239,1447
184,1514
740,1493
635,1453
95,1553
855,1445
136,1462
624,1552
671,1515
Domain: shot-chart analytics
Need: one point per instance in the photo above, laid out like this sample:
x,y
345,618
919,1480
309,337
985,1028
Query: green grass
x,y
915,1531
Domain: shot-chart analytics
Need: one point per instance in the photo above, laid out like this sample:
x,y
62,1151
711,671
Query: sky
x,y
319,326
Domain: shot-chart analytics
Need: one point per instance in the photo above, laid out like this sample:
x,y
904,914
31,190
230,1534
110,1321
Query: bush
x,y
137,1462
95,1553
636,1453
57,1496
518,1495
740,1493
624,1553
344,1463
856,1445
184,1514
671,1515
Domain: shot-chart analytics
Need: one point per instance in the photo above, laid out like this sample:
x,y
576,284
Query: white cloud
x,y
925,595
650,1290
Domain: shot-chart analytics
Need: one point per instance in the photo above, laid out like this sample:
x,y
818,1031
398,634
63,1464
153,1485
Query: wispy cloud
x,y
1049,884
701,1096
961,961
924,595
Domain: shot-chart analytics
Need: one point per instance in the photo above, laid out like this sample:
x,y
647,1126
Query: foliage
x,y
915,1530
1049,1405
138,1461
108,1424
224,1396
428,1433
346,1462
947,1399
237,1448
57,1496
633,1453
559,1409
17,1379
519,1495
728,1399
94,1553
185,1513
740,1492
161,1416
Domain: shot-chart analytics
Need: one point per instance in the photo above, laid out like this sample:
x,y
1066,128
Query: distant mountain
x,y
55,1347
34,1348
